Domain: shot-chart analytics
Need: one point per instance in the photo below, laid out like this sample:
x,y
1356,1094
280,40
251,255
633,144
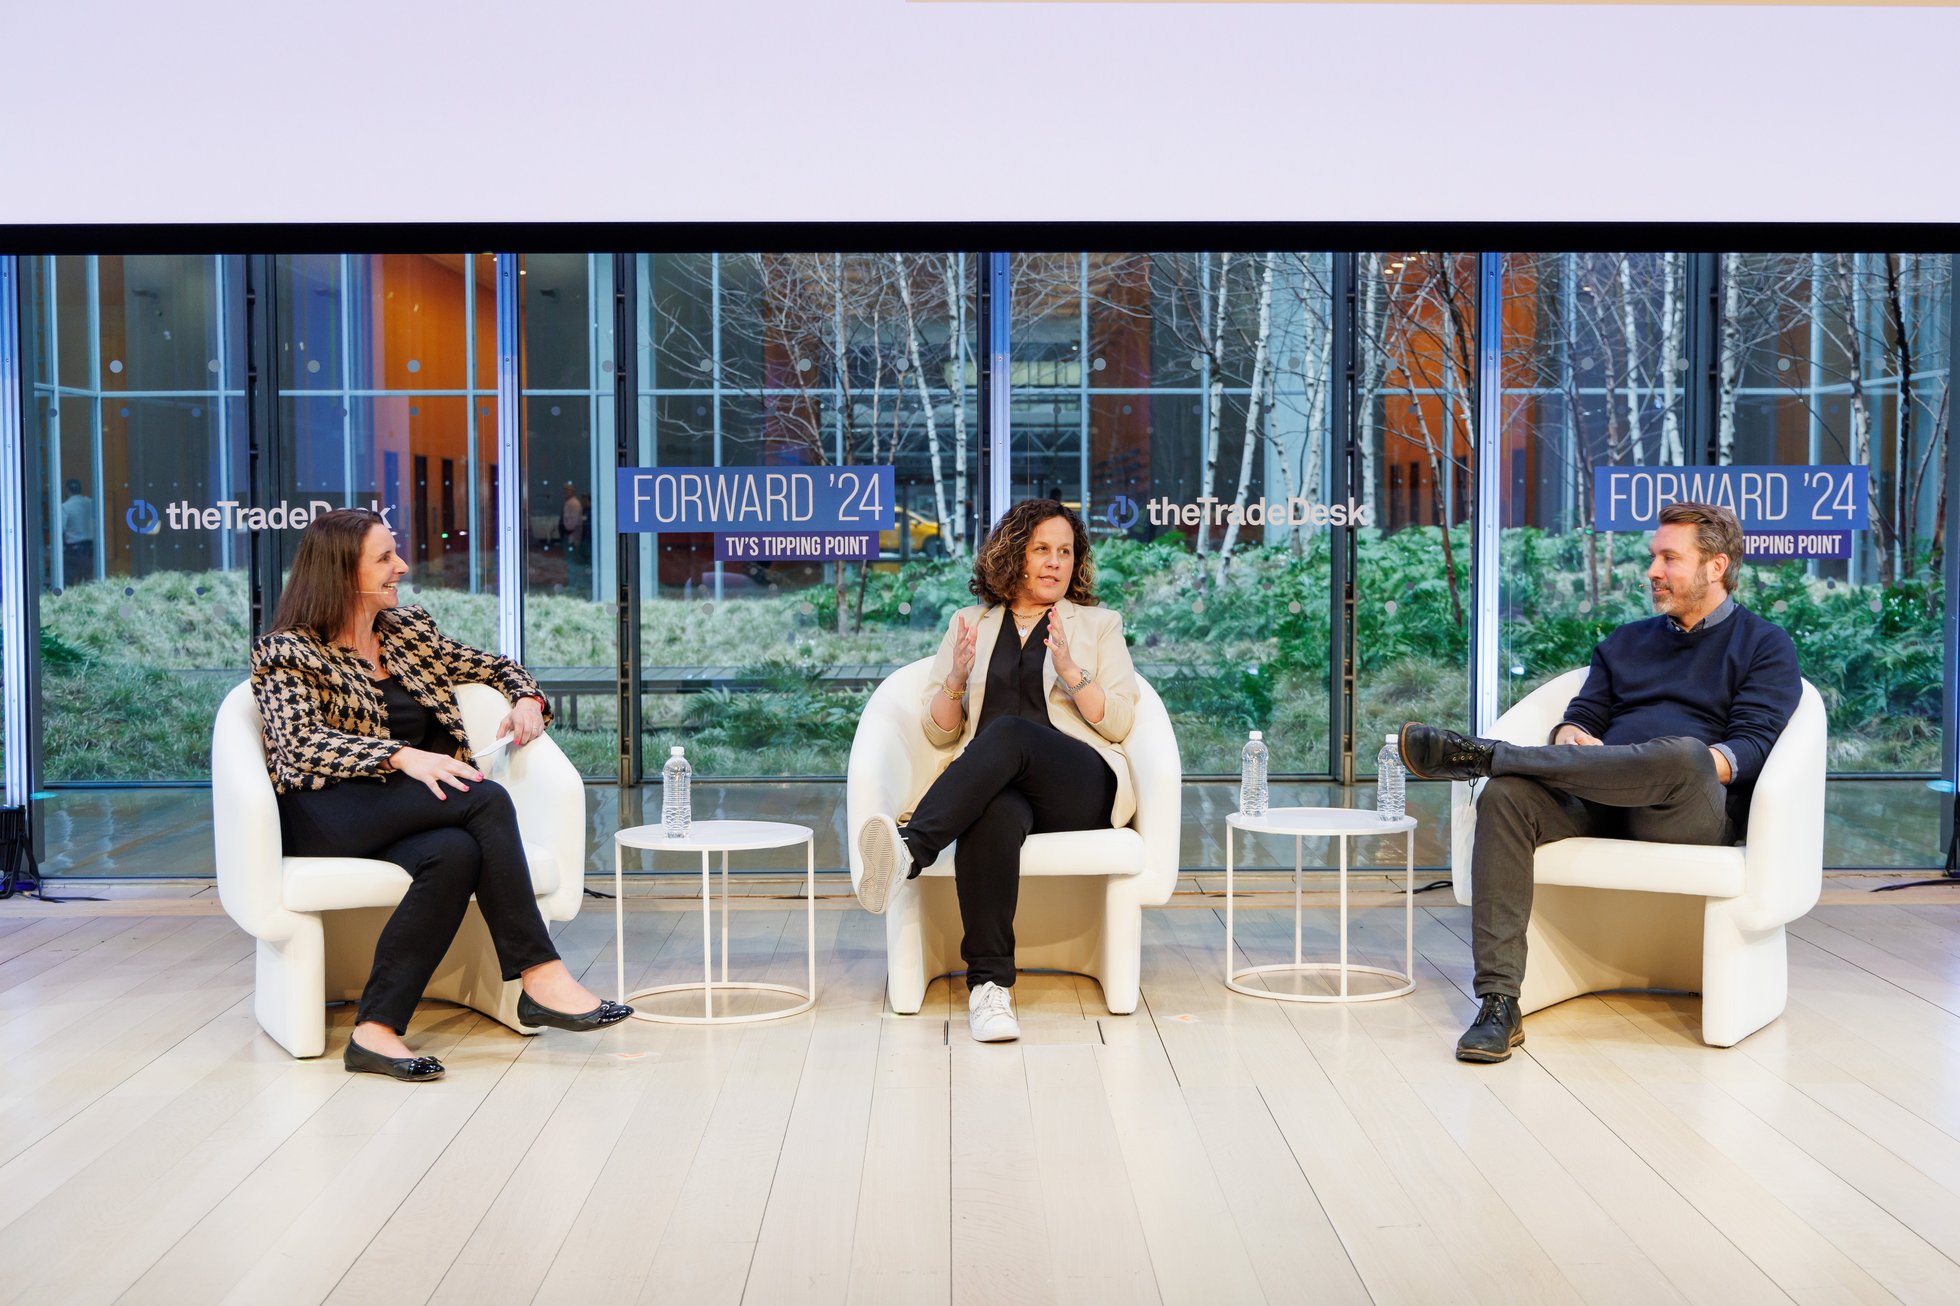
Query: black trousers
x,y
1663,791
1015,779
451,848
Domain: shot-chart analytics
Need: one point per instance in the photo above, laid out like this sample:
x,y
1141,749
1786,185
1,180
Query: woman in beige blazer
x,y
1032,696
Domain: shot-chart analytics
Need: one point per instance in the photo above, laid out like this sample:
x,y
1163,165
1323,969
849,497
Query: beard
x,y
1676,602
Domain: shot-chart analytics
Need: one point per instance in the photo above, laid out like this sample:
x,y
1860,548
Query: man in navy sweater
x,y
1664,743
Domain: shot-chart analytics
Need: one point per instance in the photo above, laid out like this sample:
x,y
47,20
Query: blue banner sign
x,y
1779,499
829,546
757,500
1781,546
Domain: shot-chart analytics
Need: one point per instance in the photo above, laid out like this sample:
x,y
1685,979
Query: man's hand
x,y
1571,734
1722,771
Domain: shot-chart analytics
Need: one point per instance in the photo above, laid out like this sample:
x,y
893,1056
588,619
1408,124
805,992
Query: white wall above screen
x,y
858,110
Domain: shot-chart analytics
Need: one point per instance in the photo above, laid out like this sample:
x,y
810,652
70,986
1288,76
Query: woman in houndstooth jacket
x,y
367,751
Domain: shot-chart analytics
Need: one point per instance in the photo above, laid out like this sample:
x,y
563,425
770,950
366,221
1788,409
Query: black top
x,y
1014,675
408,721
1732,682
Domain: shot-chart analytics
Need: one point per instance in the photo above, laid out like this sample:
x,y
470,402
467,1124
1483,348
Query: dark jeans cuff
x,y
515,969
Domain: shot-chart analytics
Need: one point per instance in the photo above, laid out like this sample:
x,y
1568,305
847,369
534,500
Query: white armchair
x,y
1623,914
316,918
1082,891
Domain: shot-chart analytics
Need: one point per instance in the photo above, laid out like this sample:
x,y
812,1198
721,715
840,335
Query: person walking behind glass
x,y
77,534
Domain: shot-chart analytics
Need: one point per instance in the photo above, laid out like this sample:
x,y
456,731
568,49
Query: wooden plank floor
x,y
156,1148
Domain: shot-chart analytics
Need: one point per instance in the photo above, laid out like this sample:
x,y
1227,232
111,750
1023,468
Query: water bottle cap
x,y
675,752
1395,739
1256,735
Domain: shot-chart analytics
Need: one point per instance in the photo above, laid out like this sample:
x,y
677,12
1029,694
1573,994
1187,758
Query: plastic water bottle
x,y
1391,781
1252,776
676,808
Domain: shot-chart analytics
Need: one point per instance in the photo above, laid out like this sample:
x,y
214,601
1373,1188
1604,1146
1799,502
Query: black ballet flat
x,y
412,1070
606,1013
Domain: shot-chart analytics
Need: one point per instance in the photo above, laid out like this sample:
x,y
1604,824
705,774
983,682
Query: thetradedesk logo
x,y
142,517
1294,511
231,515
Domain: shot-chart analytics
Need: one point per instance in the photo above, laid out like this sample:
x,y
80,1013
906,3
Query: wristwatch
x,y
1087,676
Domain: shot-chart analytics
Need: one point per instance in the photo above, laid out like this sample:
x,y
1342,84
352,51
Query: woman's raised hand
x,y
434,770
1058,648
963,653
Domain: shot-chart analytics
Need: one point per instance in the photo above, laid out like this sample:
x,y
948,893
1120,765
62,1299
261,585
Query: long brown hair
x,y
998,567
320,593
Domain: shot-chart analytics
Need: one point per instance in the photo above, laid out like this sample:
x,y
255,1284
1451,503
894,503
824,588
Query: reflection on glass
x,y
1415,364
1595,363
1828,358
1837,358
802,359
140,446
570,627
1145,384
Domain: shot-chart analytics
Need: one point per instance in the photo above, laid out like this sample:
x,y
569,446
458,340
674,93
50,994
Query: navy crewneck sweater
x,y
1733,683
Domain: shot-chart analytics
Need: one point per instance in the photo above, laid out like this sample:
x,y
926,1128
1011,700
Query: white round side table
x,y
1340,824
724,837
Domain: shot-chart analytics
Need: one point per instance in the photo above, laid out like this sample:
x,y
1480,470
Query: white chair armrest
x,y
1783,863
1157,775
547,791
891,761
245,822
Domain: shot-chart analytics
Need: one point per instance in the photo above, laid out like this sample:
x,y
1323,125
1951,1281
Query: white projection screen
x,y
236,111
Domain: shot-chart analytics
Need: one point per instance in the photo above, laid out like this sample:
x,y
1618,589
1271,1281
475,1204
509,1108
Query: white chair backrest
x,y
244,812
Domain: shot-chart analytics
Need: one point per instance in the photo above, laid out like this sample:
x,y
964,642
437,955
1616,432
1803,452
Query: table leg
x,y
619,922
1228,903
707,939
1409,906
1344,916
810,911
1297,841
724,916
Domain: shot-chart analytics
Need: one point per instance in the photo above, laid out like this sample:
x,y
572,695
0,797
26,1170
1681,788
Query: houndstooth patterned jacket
x,y
324,717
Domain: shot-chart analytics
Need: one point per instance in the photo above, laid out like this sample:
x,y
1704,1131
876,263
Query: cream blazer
x,y
1095,641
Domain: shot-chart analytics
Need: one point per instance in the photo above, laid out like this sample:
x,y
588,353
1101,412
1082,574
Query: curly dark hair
x,y
998,566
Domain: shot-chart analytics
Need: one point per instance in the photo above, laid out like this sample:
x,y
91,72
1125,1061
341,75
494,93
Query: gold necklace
x,y
1018,618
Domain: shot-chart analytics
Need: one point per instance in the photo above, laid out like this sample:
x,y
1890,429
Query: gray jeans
x,y
1663,791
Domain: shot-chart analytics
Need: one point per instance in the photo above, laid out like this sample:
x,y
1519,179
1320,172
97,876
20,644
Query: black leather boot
x,y
1497,1029
1432,753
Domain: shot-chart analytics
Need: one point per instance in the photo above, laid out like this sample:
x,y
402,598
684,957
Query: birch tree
x,y
1251,444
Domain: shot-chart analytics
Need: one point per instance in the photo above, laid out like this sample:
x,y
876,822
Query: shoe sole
x,y
399,1079
998,1038
878,845
1487,1058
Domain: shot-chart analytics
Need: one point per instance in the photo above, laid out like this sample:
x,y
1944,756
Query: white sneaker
x,y
886,862
990,1015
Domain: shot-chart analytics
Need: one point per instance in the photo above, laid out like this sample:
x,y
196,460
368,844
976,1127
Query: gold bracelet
x,y
950,694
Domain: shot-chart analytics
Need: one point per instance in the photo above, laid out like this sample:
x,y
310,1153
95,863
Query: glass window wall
x,y
1415,349
750,359
1180,401
134,412
1164,394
